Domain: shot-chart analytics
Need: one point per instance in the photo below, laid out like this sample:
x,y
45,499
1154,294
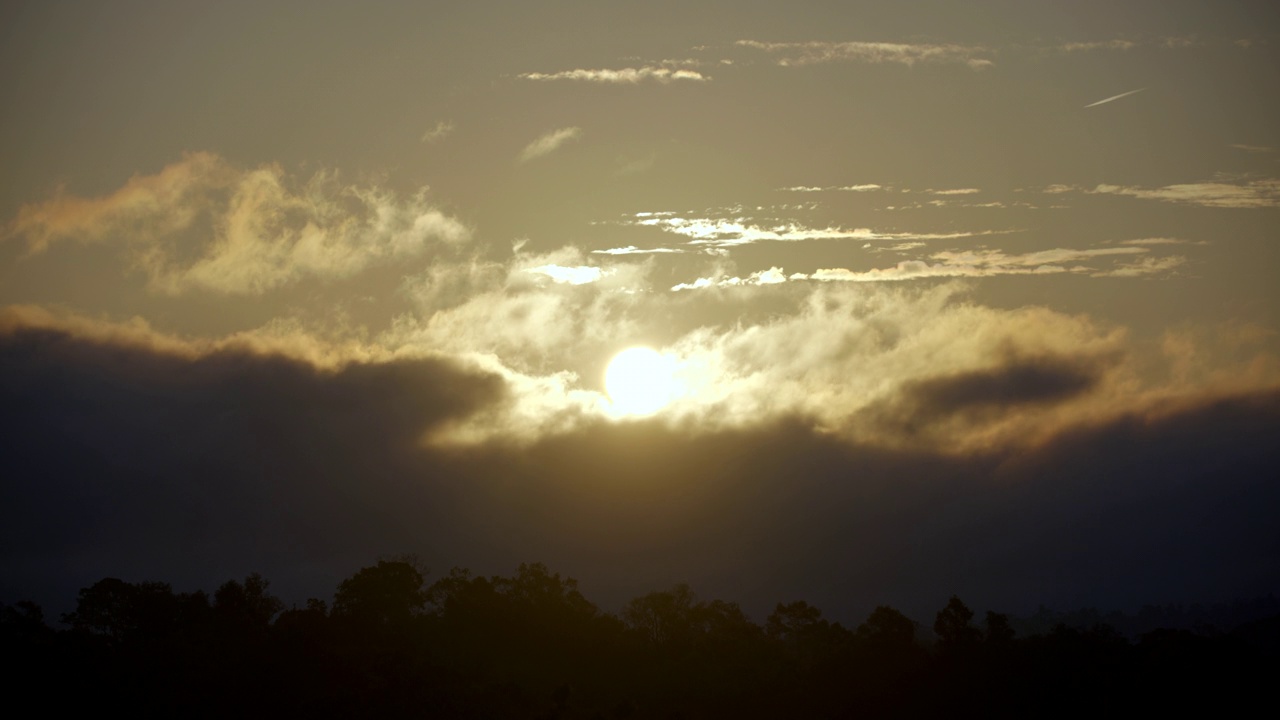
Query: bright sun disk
x,y
641,381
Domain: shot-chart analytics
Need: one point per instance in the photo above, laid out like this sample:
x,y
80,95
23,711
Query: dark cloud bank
x,y
122,461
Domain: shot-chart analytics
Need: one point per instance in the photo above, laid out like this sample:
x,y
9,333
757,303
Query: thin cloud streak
x,y
831,188
816,52
724,233
1115,97
622,76
1253,194
1263,193
967,264
633,250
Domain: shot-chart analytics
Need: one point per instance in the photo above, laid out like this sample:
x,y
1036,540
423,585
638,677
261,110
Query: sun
x,y
641,381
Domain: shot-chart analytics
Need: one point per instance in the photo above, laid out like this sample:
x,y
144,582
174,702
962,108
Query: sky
x,y
938,298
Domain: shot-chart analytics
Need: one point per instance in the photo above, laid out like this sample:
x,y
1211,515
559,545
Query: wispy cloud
x,y
1125,44
1114,97
202,223
1259,149
815,52
957,191
830,188
549,143
1144,266
633,250
621,76
722,232
442,129
1254,194
1116,44
1162,241
964,264
635,166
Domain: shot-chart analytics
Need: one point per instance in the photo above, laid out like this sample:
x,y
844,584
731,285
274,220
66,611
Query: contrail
x,y
1115,97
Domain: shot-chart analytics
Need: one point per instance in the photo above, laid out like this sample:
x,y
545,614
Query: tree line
x,y
390,644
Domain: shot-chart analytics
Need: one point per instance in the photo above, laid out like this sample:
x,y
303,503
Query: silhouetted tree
x,y
663,618
886,627
952,625
248,605
23,623
388,593
999,630
121,611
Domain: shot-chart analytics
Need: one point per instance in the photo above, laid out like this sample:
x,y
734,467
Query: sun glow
x,y
641,381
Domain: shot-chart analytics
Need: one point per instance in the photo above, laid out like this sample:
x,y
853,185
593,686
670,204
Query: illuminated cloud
x,y
957,191
202,223
845,357
957,264
549,143
832,188
575,275
815,52
525,312
633,250
622,76
725,233
772,276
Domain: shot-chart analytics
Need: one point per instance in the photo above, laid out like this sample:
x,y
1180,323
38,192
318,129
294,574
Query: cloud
x,y
1144,266
962,264
815,52
723,232
1117,44
633,250
1257,149
627,166
1022,381
575,275
1114,97
442,129
772,276
549,143
1251,194
1162,241
831,188
204,224
957,191
134,462
1123,45
980,396
982,263
622,76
